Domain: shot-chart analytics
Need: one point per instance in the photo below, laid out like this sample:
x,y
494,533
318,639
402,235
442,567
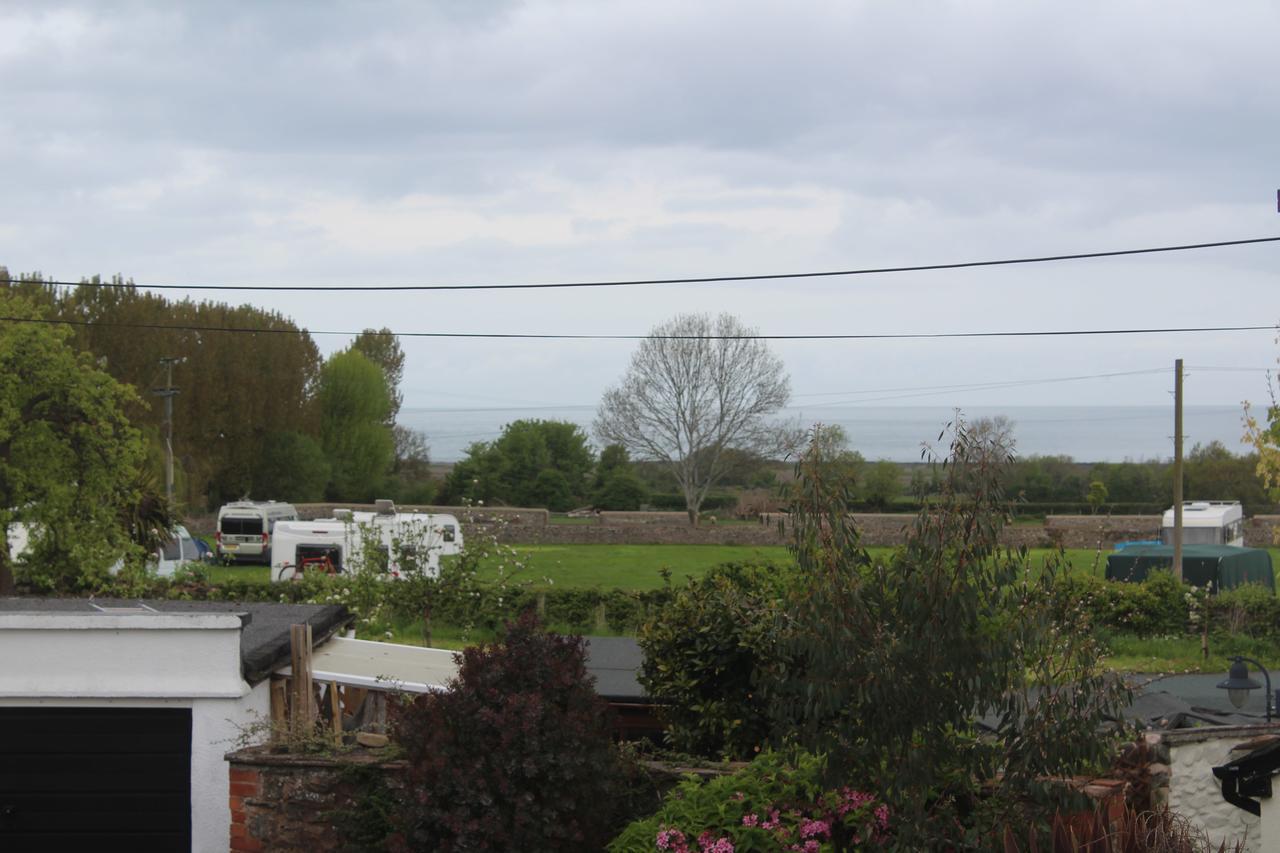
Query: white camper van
x,y
245,527
1206,523
336,545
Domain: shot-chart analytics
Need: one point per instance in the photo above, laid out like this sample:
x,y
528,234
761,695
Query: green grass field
x,y
639,566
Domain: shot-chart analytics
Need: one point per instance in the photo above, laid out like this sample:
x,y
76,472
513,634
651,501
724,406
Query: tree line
x,y
258,414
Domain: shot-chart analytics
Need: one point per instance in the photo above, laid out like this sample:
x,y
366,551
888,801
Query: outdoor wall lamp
x,y
1238,683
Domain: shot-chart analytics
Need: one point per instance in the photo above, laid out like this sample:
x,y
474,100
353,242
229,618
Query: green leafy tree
x,y
1214,473
69,458
1097,496
883,484
511,469
1264,436
354,402
382,347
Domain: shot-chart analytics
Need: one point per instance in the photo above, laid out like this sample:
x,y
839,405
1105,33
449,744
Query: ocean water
x,y
897,433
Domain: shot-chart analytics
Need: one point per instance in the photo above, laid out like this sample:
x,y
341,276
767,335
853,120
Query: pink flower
x,y
720,845
813,828
882,815
671,839
772,822
752,819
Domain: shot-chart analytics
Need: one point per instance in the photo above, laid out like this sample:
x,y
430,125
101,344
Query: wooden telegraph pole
x,y
1177,470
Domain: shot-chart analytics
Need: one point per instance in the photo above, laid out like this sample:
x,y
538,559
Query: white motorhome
x,y
334,545
1206,523
245,528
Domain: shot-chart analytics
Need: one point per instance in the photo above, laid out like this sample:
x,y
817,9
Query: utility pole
x,y
168,393
1177,470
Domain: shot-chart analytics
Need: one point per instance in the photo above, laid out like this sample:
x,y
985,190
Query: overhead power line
x,y
182,327
368,288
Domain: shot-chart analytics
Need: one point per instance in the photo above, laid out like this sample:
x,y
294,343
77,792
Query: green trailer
x,y
1219,566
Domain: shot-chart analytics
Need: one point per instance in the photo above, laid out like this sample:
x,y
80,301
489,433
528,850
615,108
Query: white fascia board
x,y
85,621
121,655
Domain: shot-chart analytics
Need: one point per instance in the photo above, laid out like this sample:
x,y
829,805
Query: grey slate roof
x,y
264,642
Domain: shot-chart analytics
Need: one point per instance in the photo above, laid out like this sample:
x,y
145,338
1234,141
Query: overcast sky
x,y
468,143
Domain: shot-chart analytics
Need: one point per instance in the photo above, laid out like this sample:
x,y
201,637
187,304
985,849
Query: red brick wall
x,y
283,803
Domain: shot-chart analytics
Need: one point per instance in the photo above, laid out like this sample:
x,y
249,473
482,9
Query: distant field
x,y
637,566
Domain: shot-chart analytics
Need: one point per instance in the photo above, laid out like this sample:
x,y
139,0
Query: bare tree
x,y
994,433
696,387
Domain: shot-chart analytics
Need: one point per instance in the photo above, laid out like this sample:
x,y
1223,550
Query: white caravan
x,y
332,545
245,528
1206,523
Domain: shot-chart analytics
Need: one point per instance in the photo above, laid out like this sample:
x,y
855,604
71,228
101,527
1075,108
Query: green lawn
x,y
638,566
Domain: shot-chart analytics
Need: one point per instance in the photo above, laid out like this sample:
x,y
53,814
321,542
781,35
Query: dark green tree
x,y
353,402
616,485
293,468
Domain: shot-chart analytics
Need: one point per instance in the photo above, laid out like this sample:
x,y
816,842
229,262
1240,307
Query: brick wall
x,y
284,803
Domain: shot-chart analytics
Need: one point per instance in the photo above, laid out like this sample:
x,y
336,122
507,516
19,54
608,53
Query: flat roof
x,y
264,641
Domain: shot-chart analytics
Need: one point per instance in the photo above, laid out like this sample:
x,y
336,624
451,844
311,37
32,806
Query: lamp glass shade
x,y
1238,683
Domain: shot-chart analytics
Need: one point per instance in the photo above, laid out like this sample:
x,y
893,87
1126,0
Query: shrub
x,y
772,804
1252,610
883,664
516,755
703,654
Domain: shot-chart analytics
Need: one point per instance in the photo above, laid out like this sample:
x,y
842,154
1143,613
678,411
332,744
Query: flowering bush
x,y
772,804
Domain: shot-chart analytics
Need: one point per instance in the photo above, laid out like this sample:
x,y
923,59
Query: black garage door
x,y
95,779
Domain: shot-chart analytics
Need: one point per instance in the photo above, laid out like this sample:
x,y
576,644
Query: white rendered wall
x,y
1195,793
146,661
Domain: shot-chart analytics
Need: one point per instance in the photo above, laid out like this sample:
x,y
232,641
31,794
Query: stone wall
x,y
531,526
285,803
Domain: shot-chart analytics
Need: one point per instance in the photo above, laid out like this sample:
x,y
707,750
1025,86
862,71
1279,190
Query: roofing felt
x,y
614,662
264,641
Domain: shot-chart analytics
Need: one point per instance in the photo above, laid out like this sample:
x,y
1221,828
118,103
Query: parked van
x,y
1206,523
333,545
245,527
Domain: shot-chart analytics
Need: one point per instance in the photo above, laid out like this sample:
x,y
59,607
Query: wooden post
x,y
1177,470
335,708
302,709
279,709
